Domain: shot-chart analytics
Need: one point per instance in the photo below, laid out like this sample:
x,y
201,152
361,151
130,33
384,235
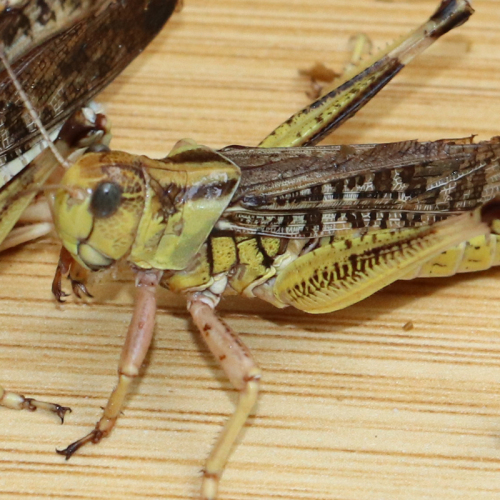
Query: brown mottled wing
x,y
321,191
24,24
69,68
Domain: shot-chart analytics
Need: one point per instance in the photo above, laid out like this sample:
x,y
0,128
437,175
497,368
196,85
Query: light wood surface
x,y
353,406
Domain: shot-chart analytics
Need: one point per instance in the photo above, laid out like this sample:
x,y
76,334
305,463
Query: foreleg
x,y
138,340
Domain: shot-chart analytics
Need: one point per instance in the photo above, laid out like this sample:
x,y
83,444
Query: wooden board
x,y
353,406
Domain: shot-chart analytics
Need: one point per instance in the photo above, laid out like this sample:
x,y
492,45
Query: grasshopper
x,y
284,224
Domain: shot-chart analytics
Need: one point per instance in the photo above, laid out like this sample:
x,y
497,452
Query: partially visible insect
x,y
291,223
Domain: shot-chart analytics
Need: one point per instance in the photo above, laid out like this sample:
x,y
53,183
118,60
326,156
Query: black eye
x,y
106,199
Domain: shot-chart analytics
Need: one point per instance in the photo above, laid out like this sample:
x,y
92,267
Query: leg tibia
x,y
243,373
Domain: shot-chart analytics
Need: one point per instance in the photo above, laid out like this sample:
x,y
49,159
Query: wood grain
x,y
353,405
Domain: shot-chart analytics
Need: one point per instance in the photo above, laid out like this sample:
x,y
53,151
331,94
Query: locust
x,y
317,228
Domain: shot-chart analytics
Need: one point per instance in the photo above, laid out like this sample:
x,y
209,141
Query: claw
x,y
80,290
61,411
59,296
92,437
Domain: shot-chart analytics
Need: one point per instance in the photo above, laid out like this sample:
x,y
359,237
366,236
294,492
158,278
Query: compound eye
x,y
105,199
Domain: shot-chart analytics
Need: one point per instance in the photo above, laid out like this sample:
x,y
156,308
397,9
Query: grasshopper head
x,y
155,213
99,209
